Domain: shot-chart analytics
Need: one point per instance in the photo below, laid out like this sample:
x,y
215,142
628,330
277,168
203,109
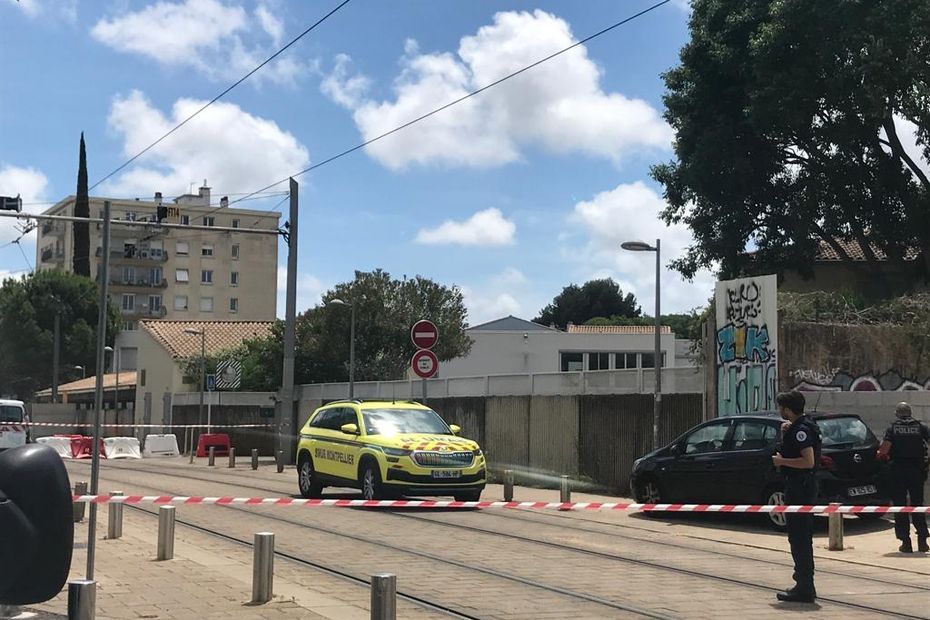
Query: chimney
x,y
224,201
204,193
158,198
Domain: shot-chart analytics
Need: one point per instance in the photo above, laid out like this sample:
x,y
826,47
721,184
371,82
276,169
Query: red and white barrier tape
x,y
171,500
84,424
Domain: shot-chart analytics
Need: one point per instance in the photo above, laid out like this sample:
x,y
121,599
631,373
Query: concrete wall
x,y
875,408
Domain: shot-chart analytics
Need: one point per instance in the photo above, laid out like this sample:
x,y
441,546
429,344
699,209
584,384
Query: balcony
x,y
117,283
143,312
52,255
138,257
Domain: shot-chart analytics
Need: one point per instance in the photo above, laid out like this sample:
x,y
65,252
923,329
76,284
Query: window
x,y
129,302
206,249
186,220
129,249
572,362
235,223
323,418
155,276
206,276
180,302
234,304
625,360
648,360
754,436
206,304
182,275
154,303
598,361
209,221
707,439
181,248
846,432
129,326
142,377
235,251
129,275
130,216
234,278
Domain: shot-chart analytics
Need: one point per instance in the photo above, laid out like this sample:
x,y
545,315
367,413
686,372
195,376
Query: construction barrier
x,y
427,503
72,425
218,441
61,445
122,448
161,445
81,447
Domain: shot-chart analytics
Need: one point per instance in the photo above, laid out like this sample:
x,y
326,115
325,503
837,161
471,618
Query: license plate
x,y
447,473
869,489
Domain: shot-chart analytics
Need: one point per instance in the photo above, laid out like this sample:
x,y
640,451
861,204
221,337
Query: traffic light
x,y
11,204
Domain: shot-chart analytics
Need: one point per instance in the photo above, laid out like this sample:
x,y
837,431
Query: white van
x,y
12,430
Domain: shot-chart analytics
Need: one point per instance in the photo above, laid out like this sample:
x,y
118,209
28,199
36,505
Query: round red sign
x,y
424,334
424,364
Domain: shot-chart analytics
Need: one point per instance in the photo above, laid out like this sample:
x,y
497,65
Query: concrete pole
x,y
835,530
284,412
56,347
352,352
657,362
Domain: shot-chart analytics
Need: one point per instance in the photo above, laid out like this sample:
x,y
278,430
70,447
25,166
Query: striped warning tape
x,y
172,500
85,424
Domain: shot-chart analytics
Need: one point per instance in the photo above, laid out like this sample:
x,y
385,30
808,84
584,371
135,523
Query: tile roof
x,y
617,329
854,249
89,384
220,335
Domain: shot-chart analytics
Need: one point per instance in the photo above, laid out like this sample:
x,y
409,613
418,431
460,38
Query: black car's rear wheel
x,y
775,496
648,492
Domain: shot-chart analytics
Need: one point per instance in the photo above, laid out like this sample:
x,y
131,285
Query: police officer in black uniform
x,y
906,444
798,459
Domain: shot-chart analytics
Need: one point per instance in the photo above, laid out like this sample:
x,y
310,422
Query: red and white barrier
x,y
161,445
122,448
172,500
61,445
89,424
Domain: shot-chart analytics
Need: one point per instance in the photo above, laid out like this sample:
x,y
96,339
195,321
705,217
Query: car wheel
x,y
648,492
369,480
307,483
775,496
474,496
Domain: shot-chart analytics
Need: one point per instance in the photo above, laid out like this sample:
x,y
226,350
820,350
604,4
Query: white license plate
x,y
447,473
869,489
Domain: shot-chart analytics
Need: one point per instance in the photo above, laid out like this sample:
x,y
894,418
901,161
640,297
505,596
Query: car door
x,y
320,434
747,468
348,445
692,475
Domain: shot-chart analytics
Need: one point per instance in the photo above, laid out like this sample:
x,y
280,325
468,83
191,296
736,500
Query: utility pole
x,y
284,414
55,352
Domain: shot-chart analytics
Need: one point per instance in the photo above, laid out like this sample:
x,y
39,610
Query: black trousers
x,y
801,489
908,480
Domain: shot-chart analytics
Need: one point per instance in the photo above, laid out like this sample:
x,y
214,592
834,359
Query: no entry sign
x,y
424,335
424,364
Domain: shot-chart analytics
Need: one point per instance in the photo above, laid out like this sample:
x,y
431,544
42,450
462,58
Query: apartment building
x,y
161,273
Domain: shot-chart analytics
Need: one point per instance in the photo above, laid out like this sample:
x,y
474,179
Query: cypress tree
x,y
81,264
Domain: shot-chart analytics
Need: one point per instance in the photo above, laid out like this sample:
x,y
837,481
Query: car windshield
x,y
399,421
845,432
10,413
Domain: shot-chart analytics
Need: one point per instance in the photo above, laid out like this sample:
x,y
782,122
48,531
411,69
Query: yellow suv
x,y
386,449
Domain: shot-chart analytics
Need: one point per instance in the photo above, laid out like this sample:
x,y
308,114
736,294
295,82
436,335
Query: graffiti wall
x,y
746,344
854,358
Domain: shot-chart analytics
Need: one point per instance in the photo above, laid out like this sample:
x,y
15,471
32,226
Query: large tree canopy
x,y
595,298
27,314
792,123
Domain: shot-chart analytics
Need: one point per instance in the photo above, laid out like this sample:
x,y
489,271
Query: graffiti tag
x,y
744,302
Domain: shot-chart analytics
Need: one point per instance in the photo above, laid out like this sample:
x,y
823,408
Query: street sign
x,y
424,363
424,334
211,383
229,375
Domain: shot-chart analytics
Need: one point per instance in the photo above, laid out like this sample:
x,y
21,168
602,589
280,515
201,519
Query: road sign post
x,y
424,336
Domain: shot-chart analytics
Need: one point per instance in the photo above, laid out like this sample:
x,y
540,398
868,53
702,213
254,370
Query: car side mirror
x,y
349,429
678,449
37,521
455,428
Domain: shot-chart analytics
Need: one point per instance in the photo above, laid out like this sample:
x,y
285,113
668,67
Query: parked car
x,y
729,461
12,431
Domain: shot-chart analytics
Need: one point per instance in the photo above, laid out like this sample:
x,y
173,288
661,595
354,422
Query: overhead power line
x,y
221,95
459,100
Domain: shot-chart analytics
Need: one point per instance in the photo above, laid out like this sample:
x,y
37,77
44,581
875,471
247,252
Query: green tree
x,y
788,118
27,310
595,298
81,260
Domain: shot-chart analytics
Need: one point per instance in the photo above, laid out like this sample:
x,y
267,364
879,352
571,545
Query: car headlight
x,y
637,463
477,451
397,452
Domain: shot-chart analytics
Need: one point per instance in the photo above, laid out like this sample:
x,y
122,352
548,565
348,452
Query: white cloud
x,y
31,185
344,90
48,9
310,291
559,105
626,213
484,228
506,293
221,41
510,276
234,150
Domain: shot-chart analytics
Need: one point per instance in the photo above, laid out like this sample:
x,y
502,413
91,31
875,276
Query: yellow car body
x,y
387,448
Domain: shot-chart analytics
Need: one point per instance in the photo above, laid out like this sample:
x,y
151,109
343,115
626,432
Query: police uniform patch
x,y
801,436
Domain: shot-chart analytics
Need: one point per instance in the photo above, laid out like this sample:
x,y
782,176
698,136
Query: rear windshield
x,y
845,433
11,413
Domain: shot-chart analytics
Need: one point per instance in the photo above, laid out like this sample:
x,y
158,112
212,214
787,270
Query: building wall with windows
x,y
513,346
159,273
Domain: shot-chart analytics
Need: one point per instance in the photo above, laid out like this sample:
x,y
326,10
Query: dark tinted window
x,y
572,362
10,413
324,418
754,436
598,361
346,416
708,439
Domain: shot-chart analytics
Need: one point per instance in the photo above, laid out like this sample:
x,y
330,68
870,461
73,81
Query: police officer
x,y
906,443
798,459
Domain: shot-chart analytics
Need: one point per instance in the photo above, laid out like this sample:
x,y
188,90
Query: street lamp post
x,y
83,371
339,302
640,246
203,373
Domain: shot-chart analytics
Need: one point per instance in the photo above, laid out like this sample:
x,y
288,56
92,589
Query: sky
x,y
511,195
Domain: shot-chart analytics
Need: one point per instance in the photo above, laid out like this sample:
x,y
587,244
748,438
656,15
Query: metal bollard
x,y
254,458
114,519
82,599
165,532
211,457
232,458
508,485
835,530
80,488
263,568
383,597
565,490
280,460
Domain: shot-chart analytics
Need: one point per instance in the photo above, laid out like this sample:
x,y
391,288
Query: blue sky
x,y
526,188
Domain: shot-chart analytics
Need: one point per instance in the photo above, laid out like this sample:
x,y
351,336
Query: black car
x,y
729,461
